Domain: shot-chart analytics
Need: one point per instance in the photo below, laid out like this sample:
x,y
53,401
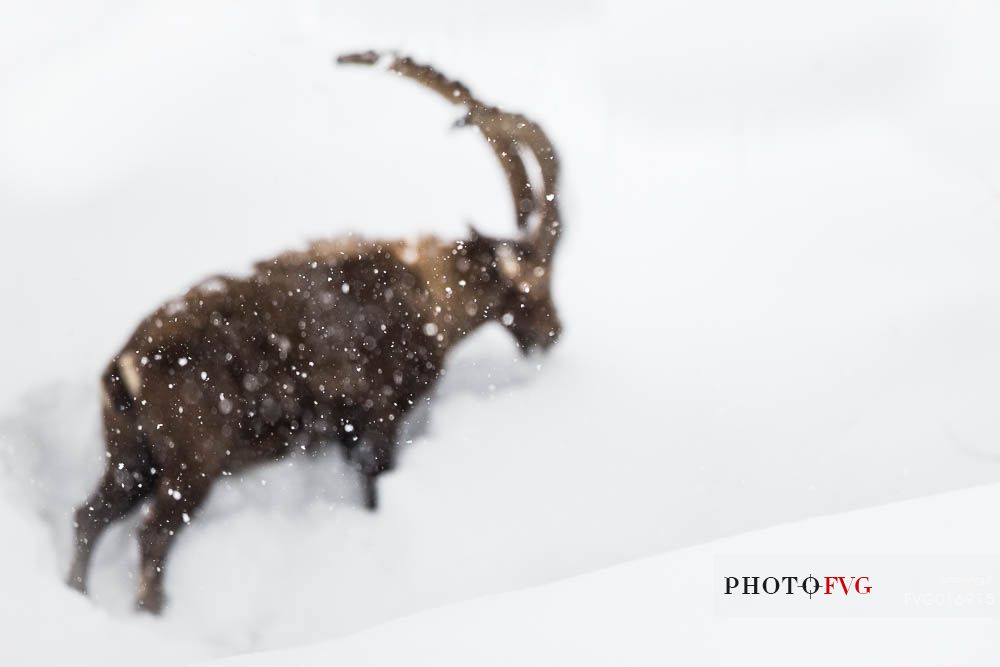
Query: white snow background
x,y
779,284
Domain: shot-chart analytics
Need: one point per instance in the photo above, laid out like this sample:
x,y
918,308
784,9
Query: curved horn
x,y
509,135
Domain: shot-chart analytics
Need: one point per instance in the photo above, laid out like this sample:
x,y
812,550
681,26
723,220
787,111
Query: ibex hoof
x,y
150,602
77,583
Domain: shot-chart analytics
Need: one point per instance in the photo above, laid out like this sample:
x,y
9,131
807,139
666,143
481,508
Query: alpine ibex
x,y
335,343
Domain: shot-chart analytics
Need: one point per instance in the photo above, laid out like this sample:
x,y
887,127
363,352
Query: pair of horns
x,y
512,137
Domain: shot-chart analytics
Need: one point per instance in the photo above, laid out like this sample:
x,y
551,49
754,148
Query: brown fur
x,y
335,343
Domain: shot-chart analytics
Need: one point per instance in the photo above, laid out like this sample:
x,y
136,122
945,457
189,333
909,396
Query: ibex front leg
x,y
374,454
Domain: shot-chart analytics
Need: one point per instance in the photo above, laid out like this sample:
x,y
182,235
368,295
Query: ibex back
x,y
333,344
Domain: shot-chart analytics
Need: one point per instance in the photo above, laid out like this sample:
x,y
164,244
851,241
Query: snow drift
x,y
672,608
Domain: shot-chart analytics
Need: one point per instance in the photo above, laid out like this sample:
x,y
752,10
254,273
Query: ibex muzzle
x,y
332,344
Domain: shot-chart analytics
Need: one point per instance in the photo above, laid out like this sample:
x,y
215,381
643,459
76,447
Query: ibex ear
x,y
474,234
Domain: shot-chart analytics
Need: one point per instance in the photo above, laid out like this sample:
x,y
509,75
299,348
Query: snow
x,y
672,608
778,281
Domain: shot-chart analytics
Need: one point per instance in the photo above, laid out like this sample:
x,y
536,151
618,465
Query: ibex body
x,y
332,344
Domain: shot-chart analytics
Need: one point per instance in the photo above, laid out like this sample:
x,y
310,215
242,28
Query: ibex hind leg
x,y
112,500
128,478
178,496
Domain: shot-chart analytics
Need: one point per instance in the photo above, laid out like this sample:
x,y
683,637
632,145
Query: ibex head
x,y
511,276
